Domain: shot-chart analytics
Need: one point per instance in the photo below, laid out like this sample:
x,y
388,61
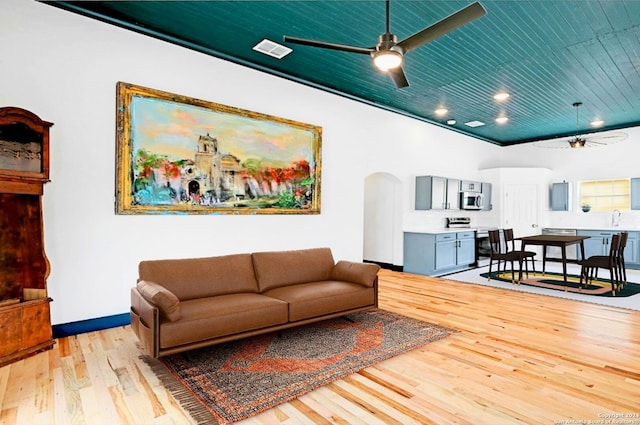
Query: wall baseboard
x,y
387,266
90,325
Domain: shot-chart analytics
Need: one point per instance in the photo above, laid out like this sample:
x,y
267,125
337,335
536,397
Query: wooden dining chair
x,y
590,266
622,271
523,256
499,254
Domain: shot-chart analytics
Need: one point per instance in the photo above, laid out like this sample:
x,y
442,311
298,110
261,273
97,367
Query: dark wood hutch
x,y
25,321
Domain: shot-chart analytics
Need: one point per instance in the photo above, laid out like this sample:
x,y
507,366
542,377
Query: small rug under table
x,y
232,381
599,287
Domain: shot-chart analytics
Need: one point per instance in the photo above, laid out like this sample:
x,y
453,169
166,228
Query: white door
x,y
382,219
521,209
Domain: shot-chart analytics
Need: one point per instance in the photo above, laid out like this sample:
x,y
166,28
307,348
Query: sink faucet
x,y
615,218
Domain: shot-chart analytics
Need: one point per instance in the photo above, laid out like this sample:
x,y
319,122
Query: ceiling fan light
x,y
501,96
577,143
441,112
386,60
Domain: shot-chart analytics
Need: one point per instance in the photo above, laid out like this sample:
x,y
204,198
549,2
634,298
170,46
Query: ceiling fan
x,y
584,141
388,53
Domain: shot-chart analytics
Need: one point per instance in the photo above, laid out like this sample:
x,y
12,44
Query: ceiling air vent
x,y
272,48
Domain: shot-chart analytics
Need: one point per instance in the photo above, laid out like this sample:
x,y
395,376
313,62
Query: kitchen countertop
x,y
608,229
437,230
605,228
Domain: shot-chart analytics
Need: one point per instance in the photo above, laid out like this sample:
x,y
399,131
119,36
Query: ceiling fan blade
x,y
609,137
398,77
442,27
328,45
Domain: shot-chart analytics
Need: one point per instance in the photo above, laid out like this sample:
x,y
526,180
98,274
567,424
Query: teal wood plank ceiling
x,y
546,54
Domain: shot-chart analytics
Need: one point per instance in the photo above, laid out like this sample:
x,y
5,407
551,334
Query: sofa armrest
x,y
164,299
363,273
145,323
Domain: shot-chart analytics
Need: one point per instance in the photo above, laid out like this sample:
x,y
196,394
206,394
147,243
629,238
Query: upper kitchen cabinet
x,y
559,196
437,193
635,193
469,186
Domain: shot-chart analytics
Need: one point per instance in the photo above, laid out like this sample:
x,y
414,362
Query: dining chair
x,y
498,254
523,255
590,266
622,271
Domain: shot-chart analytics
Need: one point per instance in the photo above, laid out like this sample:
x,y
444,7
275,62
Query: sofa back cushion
x,y
283,268
192,278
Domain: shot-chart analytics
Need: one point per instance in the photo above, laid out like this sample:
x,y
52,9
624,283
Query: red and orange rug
x,y
233,381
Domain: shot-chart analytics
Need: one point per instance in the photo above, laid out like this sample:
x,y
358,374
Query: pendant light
x,y
577,142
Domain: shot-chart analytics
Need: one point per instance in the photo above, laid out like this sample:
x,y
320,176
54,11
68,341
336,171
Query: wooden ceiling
x,y
547,54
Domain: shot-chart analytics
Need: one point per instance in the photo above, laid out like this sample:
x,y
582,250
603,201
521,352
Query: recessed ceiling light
x,y
474,123
272,48
500,97
502,120
597,123
451,122
441,111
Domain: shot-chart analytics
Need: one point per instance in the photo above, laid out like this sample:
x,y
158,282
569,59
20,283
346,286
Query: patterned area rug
x,y
232,381
599,287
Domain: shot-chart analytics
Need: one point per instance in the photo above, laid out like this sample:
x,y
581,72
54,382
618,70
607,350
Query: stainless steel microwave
x,y
471,200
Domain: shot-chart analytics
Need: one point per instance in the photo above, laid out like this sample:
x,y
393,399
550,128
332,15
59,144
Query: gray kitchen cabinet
x,y
599,243
434,254
559,196
486,192
635,193
632,251
453,194
437,193
470,186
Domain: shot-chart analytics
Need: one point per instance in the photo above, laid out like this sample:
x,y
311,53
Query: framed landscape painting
x,y
179,155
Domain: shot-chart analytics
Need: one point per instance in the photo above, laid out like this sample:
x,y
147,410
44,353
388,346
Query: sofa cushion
x,y
160,296
214,317
363,273
282,268
313,299
192,278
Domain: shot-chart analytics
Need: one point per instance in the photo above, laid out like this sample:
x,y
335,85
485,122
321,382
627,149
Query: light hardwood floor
x,y
518,359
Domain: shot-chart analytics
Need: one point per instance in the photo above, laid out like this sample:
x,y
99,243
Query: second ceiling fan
x,y
388,53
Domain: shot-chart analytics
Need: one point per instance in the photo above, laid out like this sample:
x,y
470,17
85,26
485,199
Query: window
x,y
606,195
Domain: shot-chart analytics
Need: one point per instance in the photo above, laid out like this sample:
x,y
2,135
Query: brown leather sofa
x,y
182,304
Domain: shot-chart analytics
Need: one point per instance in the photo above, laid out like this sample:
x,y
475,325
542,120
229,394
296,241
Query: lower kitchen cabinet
x,y
434,254
599,243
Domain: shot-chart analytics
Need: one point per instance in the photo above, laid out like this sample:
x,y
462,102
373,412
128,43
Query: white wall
x,y
64,68
619,160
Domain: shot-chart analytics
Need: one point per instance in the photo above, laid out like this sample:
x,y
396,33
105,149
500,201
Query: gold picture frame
x,y
180,155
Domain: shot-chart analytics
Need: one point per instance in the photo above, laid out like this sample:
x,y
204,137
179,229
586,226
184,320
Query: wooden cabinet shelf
x,y
25,320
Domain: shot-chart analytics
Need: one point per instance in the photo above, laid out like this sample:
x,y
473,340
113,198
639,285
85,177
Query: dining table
x,y
562,241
